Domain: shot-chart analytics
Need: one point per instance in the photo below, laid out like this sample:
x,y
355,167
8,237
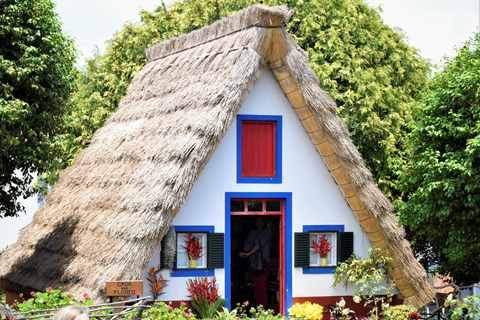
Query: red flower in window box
x,y
323,247
194,248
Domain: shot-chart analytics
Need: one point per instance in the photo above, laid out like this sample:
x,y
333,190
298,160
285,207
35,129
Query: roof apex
x,y
256,14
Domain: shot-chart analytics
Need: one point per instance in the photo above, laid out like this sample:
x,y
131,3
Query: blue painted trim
x,y
322,227
193,272
196,228
318,270
278,149
288,239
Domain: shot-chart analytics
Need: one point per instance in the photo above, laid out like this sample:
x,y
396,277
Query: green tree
x,y
36,76
362,63
442,174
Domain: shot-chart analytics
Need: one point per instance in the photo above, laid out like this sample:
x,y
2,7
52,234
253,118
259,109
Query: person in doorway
x,y
259,239
71,313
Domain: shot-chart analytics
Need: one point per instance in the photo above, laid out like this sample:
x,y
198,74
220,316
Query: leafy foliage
x,y
367,275
206,302
49,301
363,64
36,76
399,312
442,214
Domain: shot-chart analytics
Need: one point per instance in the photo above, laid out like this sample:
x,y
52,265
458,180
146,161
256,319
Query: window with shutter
x,y
305,256
212,254
259,144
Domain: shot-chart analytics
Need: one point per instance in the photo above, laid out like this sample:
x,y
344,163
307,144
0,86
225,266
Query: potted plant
x,y
194,250
322,247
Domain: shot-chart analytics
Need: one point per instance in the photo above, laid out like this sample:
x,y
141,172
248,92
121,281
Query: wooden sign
x,y
124,288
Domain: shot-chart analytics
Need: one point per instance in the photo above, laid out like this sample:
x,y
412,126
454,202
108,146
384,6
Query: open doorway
x,y
242,283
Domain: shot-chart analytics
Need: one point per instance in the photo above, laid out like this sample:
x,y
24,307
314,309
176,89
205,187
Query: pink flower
x,y
69,295
49,288
246,303
21,294
24,301
182,303
170,308
47,311
49,291
155,303
14,303
188,315
183,312
32,293
10,318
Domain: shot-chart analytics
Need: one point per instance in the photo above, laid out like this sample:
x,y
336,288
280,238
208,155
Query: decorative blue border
x,y
323,227
288,239
192,272
278,149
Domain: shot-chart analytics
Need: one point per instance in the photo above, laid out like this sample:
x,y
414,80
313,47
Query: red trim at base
x,y
359,309
10,297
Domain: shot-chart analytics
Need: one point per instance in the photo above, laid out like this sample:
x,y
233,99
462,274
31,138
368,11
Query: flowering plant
x,y
308,310
338,311
206,302
323,247
163,311
49,301
194,248
157,283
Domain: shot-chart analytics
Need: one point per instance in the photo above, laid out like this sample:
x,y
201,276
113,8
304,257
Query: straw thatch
x,y
109,211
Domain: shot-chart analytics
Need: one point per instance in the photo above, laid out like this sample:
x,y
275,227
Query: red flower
x,y
323,247
413,315
194,248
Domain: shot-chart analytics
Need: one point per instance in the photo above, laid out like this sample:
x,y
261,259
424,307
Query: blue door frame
x,y
287,196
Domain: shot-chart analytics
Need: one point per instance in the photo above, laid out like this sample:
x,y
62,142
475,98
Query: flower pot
x,y
323,261
193,264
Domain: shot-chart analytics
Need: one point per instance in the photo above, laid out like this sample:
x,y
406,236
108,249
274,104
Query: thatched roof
x,y
109,211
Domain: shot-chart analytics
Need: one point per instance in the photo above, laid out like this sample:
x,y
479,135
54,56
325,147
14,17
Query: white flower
x,y
386,305
341,304
357,299
345,312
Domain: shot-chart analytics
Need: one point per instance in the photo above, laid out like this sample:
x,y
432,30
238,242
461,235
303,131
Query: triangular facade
x,y
106,217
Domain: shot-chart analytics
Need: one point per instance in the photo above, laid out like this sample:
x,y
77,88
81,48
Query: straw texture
x,y
109,211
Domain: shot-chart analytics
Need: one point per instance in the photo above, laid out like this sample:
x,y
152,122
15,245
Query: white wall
x,y
317,200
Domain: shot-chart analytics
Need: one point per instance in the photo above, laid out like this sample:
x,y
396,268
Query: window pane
x,y
237,206
255,205
315,260
273,205
182,256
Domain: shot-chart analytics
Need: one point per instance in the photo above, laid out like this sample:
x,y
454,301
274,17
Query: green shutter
x,y
216,251
302,249
163,259
345,246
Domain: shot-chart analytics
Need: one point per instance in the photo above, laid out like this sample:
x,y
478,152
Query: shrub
x,y
48,301
206,302
400,312
163,311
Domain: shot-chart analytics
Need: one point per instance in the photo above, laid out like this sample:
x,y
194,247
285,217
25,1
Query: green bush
x,y
48,301
400,312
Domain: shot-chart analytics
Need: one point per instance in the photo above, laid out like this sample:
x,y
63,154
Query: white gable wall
x,y
316,198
